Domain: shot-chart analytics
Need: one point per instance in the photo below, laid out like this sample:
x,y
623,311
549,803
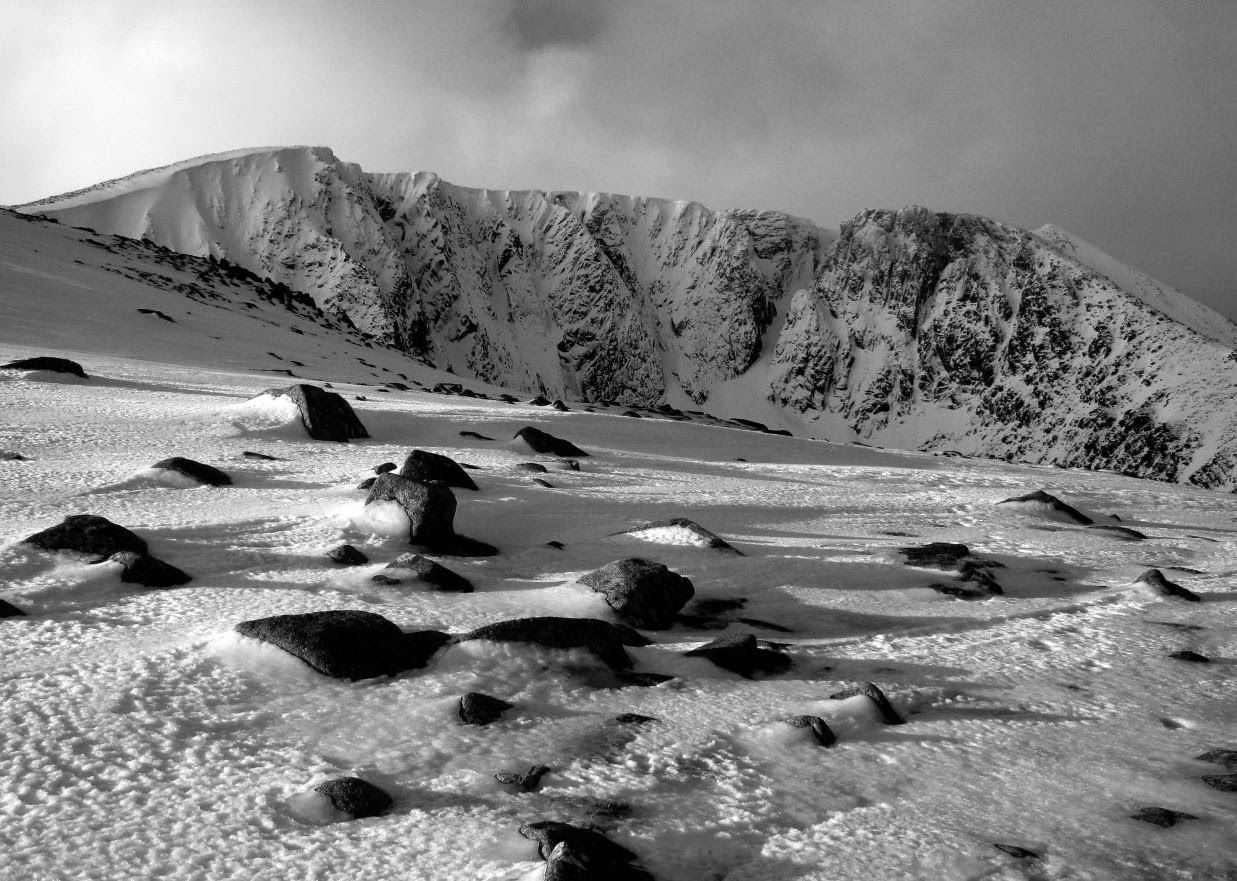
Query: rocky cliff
x,y
911,328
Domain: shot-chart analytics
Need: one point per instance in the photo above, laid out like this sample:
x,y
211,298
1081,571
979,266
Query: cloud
x,y
1114,118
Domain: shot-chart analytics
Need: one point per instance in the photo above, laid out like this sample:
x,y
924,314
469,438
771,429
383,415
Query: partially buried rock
x,y
1155,579
634,719
936,555
641,680
542,442
87,534
250,454
1225,757
741,653
820,729
430,467
434,574
1019,852
642,592
559,406
872,692
475,436
50,364
526,781
356,797
545,483
366,483
573,853
1161,816
347,555
346,643
1191,656
482,709
540,401
326,415
1039,497
1222,782
198,472
384,467
8,610
147,571
603,639
1120,531
531,467
680,530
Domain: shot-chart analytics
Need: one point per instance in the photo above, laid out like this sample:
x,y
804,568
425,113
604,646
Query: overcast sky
x,y
1116,119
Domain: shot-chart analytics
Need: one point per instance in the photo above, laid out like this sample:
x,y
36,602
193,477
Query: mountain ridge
x,y
906,328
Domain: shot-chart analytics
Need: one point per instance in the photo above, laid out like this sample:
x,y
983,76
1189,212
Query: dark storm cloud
x,y
1113,118
540,23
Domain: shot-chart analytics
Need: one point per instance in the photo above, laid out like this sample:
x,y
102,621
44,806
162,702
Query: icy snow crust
x,y
141,737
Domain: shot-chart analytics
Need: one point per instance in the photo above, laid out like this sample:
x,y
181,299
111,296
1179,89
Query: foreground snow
x,y
140,737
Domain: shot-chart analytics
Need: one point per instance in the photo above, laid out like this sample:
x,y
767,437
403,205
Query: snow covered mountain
x,y
912,328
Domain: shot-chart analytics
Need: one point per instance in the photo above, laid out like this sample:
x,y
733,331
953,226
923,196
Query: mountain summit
x,y
909,328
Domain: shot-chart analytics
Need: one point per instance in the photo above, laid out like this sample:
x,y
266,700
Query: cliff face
x,y
910,329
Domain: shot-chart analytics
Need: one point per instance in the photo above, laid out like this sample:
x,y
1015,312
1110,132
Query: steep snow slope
x,y
913,329
1180,308
141,737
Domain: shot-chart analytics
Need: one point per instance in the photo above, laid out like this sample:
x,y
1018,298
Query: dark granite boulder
x,y
435,575
384,467
542,442
87,534
263,457
634,719
475,436
1017,852
326,415
642,592
198,472
145,570
1191,656
8,610
1155,579
45,362
482,709
888,714
346,643
820,729
698,534
431,467
347,555
574,853
1225,757
1039,497
1161,816
532,468
540,401
741,653
1222,782
356,797
430,506
603,639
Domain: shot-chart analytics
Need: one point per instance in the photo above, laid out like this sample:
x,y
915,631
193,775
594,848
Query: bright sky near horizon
x,y
1115,119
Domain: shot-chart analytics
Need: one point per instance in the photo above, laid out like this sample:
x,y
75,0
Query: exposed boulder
x,y
820,729
1039,497
366,483
872,692
531,467
1017,852
48,363
356,797
346,643
198,472
326,415
475,436
432,467
1225,757
642,592
147,571
543,442
603,639
540,401
87,534
385,467
741,653
250,454
482,709
1155,579
569,465
8,610
430,508
680,530
526,781
435,575
558,405
545,483
347,555
1161,816
1120,531
634,719
1191,656
573,853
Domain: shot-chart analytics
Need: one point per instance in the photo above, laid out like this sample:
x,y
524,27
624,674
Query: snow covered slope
x,y
913,329
142,737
